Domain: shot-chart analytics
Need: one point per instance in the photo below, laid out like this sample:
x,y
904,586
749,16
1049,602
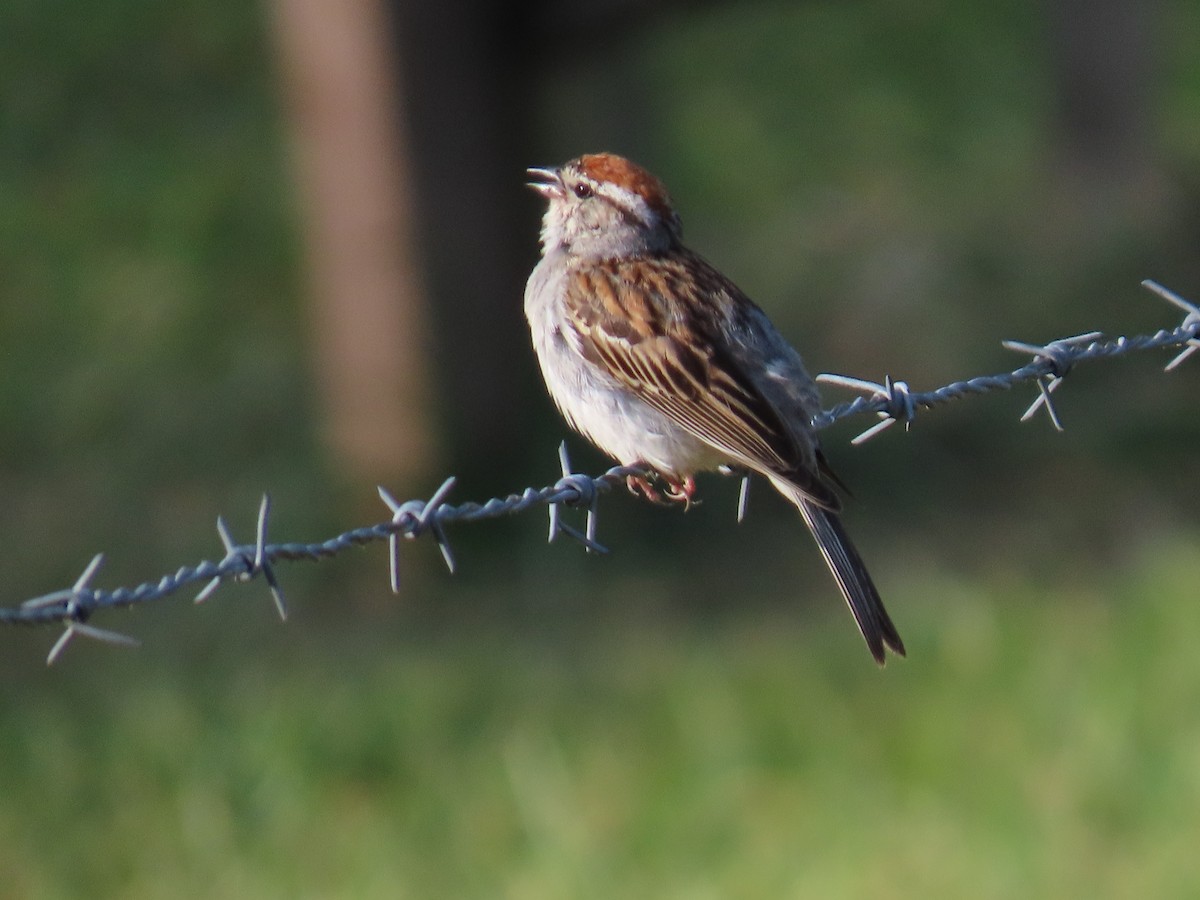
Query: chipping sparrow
x,y
660,360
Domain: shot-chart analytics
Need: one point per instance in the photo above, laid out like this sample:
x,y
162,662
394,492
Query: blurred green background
x,y
900,186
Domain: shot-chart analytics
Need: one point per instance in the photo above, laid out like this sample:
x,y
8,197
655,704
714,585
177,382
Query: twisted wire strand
x,y
984,384
892,401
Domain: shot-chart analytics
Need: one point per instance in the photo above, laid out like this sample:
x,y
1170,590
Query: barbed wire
x,y
893,401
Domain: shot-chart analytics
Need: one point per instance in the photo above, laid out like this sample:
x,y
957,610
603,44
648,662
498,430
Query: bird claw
x,y
682,491
676,491
640,486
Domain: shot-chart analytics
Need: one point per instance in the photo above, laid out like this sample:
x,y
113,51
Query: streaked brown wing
x,y
671,357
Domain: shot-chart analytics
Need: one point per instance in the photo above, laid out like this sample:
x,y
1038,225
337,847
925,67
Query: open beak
x,y
546,182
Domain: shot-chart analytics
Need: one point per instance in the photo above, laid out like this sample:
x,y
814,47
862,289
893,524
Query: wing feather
x,y
670,355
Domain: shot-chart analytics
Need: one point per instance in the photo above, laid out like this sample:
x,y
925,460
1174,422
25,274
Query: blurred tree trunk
x,y
459,88
467,66
369,317
475,71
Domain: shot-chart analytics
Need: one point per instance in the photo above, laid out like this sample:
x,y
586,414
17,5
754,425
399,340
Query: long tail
x,y
851,574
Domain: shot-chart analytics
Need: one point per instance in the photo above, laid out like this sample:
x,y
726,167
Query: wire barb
x,y
246,562
743,502
1057,357
412,519
894,398
262,561
399,514
1191,321
77,604
574,490
428,520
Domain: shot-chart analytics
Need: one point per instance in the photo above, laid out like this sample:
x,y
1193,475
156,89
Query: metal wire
x,y
893,401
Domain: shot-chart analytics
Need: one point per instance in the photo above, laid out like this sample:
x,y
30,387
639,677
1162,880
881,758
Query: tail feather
x,y
851,575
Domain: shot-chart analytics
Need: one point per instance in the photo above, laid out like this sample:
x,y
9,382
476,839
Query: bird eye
x,y
583,190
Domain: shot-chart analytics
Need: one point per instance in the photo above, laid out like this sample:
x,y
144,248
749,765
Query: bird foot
x,y
640,486
682,491
676,491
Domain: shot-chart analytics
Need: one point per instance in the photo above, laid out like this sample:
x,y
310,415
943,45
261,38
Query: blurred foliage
x,y
1027,749
867,171
886,180
151,369
882,178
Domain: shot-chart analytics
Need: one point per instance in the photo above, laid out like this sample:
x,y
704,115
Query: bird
x,y
663,363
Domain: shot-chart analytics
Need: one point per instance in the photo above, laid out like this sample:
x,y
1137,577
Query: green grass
x,y
1041,741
